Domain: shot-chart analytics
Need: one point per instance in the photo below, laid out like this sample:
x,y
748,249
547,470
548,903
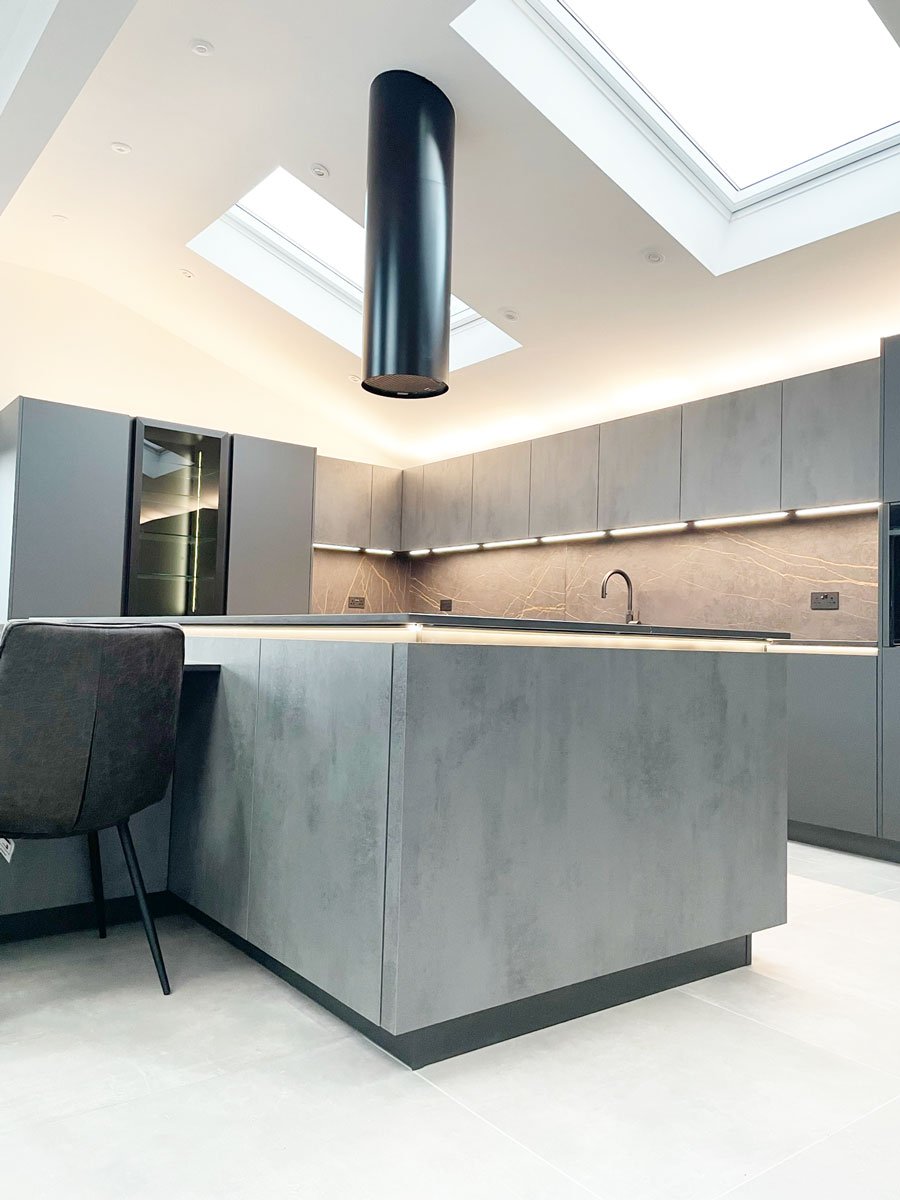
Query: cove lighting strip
x,y
767,518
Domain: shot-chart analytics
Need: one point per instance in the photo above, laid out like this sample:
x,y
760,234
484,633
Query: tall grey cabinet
x,y
63,509
271,531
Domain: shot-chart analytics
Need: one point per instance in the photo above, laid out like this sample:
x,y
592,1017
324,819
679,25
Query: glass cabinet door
x,y
178,522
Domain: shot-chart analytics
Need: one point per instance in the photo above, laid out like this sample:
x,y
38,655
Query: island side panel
x,y
320,812
566,813
209,852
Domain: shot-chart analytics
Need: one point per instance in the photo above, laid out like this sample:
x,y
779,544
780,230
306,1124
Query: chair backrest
x,y
87,723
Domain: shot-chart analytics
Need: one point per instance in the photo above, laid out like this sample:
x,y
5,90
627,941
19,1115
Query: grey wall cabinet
x,y
640,470
501,483
387,484
564,482
343,502
413,509
832,741
731,454
270,543
890,742
447,502
357,504
64,478
830,436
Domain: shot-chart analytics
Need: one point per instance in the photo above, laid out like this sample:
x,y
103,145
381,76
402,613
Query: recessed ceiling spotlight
x,y
59,218
186,273
120,147
198,46
653,256
509,314
320,170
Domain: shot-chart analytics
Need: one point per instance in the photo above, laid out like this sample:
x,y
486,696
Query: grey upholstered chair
x,y
87,736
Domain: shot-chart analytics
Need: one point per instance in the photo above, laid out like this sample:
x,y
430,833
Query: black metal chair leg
x,y
93,840
137,883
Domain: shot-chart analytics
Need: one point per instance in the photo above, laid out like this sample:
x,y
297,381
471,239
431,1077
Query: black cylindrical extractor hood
x,y
409,210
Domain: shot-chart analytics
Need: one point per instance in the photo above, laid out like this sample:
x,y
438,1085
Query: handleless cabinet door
x,y
564,477
640,469
500,487
731,454
830,447
412,529
270,542
387,486
447,506
832,741
343,502
71,512
890,742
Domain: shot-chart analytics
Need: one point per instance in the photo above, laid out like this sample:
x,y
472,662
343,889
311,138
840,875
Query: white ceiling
x,y
538,228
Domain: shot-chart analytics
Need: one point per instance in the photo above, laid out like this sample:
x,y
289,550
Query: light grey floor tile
x,y
813,956
844,870
666,1098
336,1123
864,1030
83,1022
859,1161
875,918
807,896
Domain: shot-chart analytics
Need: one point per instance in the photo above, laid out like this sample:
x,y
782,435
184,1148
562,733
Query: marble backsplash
x,y
381,581
759,577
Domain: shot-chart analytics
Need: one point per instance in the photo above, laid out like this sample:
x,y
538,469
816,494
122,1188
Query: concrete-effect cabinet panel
x,y
890,742
447,503
640,470
71,511
565,813
270,535
320,814
343,502
831,436
731,454
387,487
209,857
413,509
832,741
564,482
501,483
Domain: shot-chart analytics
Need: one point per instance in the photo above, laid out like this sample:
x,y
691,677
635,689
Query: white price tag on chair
x,y
7,845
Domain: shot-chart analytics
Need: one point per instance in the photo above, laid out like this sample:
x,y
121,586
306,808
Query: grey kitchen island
x,y
453,830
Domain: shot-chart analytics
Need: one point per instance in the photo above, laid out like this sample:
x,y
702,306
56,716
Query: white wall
x,y
62,341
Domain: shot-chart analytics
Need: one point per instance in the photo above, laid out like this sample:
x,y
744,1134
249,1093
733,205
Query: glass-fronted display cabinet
x,y
179,522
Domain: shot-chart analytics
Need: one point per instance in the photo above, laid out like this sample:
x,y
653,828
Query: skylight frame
x,y
586,50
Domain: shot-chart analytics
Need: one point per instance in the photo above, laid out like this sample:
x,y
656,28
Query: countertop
x,y
458,621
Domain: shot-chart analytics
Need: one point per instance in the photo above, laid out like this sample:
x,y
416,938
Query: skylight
x,y
22,24
760,88
744,130
294,247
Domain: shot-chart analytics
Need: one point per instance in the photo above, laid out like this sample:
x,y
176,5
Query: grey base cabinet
x,y
890,742
832,742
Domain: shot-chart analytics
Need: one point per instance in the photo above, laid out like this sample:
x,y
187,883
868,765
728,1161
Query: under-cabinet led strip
x,y
827,510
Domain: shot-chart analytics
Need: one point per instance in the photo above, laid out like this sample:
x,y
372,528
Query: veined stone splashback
x,y
758,577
